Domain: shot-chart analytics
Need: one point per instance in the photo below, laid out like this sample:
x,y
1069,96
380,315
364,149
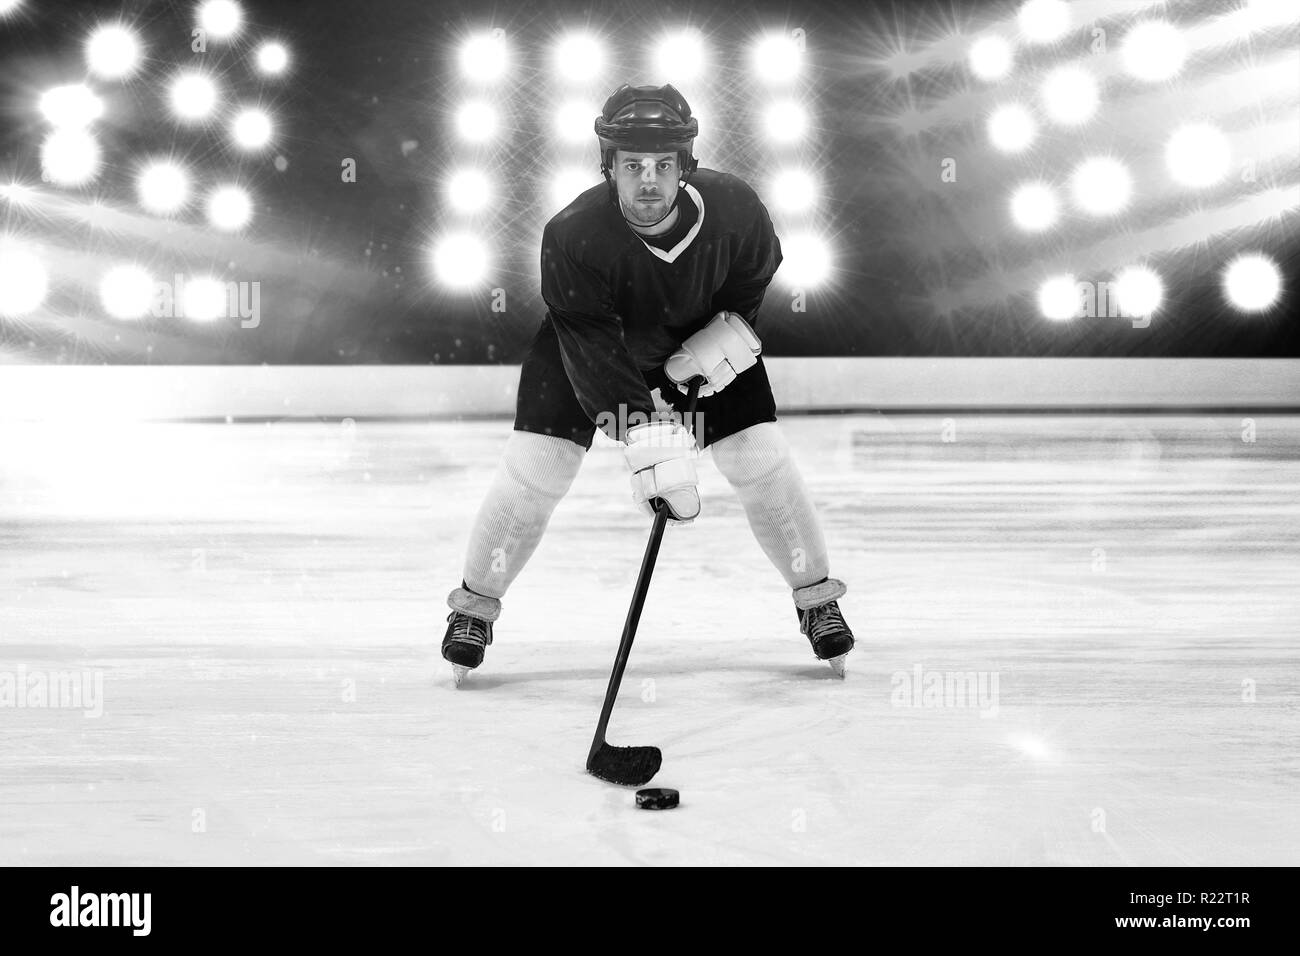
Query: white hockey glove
x,y
662,458
719,352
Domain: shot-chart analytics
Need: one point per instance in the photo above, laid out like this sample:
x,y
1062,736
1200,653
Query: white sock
x,y
757,463
535,472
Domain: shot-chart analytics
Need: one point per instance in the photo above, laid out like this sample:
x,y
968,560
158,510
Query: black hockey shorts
x,y
547,405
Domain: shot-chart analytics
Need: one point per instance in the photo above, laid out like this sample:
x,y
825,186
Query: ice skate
x,y
464,643
469,631
821,621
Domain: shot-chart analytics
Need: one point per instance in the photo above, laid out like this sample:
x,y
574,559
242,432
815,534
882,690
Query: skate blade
x,y
837,665
458,673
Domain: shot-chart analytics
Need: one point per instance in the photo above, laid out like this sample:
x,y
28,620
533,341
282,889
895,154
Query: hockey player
x,y
650,279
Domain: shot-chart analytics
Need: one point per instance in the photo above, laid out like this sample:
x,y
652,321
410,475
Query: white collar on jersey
x,y
672,254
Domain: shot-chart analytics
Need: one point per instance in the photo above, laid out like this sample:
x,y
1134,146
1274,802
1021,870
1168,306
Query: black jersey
x,y
620,305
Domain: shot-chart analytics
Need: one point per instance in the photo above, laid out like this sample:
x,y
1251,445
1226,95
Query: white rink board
x,y
147,393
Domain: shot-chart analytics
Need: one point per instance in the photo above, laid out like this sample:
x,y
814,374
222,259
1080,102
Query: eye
x,y
665,165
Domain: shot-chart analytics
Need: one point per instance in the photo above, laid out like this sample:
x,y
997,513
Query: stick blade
x,y
625,766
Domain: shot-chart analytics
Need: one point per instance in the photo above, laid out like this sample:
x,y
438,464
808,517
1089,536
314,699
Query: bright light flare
x,y
1070,95
485,58
70,157
469,191
1198,155
680,57
991,58
573,122
807,261
221,19
579,57
568,185
1034,207
205,299
794,191
1044,21
272,58
460,261
1154,51
1101,186
477,121
74,106
193,96
1012,128
163,188
785,121
230,208
777,58
9,6
1139,291
1058,298
1252,282
24,281
252,129
127,292
113,52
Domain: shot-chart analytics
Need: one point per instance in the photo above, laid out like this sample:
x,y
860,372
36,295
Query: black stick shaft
x,y
638,602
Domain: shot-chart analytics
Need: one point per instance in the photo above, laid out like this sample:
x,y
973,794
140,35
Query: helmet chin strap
x,y
613,196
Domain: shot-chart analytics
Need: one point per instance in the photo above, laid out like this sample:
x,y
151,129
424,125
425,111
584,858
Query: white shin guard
x,y
535,473
757,463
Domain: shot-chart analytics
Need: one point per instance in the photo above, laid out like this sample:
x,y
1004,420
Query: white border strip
x,y
821,384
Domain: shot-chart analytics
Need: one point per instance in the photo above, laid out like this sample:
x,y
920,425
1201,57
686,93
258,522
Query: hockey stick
x,y
633,766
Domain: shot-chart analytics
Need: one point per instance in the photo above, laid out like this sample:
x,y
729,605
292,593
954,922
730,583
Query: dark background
x,y
345,267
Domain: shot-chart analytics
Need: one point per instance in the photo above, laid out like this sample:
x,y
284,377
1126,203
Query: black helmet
x,y
647,118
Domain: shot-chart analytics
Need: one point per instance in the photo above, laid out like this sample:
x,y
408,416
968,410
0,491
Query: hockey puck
x,y
656,798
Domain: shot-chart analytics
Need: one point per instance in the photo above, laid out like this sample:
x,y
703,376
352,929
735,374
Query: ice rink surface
x,y
1078,644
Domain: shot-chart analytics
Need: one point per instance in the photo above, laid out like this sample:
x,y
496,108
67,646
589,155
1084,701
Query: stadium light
x,y
777,58
163,188
794,191
193,96
1070,95
272,58
73,106
807,260
70,157
573,122
785,121
1154,51
568,185
23,280
1012,128
251,129
1034,207
1044,21
1101,186
469,191
1139,291
991,58
126,292
680,57
1058,298
460,261
579,57
9,6
221,19
205,299
1252,282
485,57
1198,155
113,52
477,121
230,208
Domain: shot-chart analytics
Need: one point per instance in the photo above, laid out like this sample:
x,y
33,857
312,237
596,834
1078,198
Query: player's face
x,y
647,184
